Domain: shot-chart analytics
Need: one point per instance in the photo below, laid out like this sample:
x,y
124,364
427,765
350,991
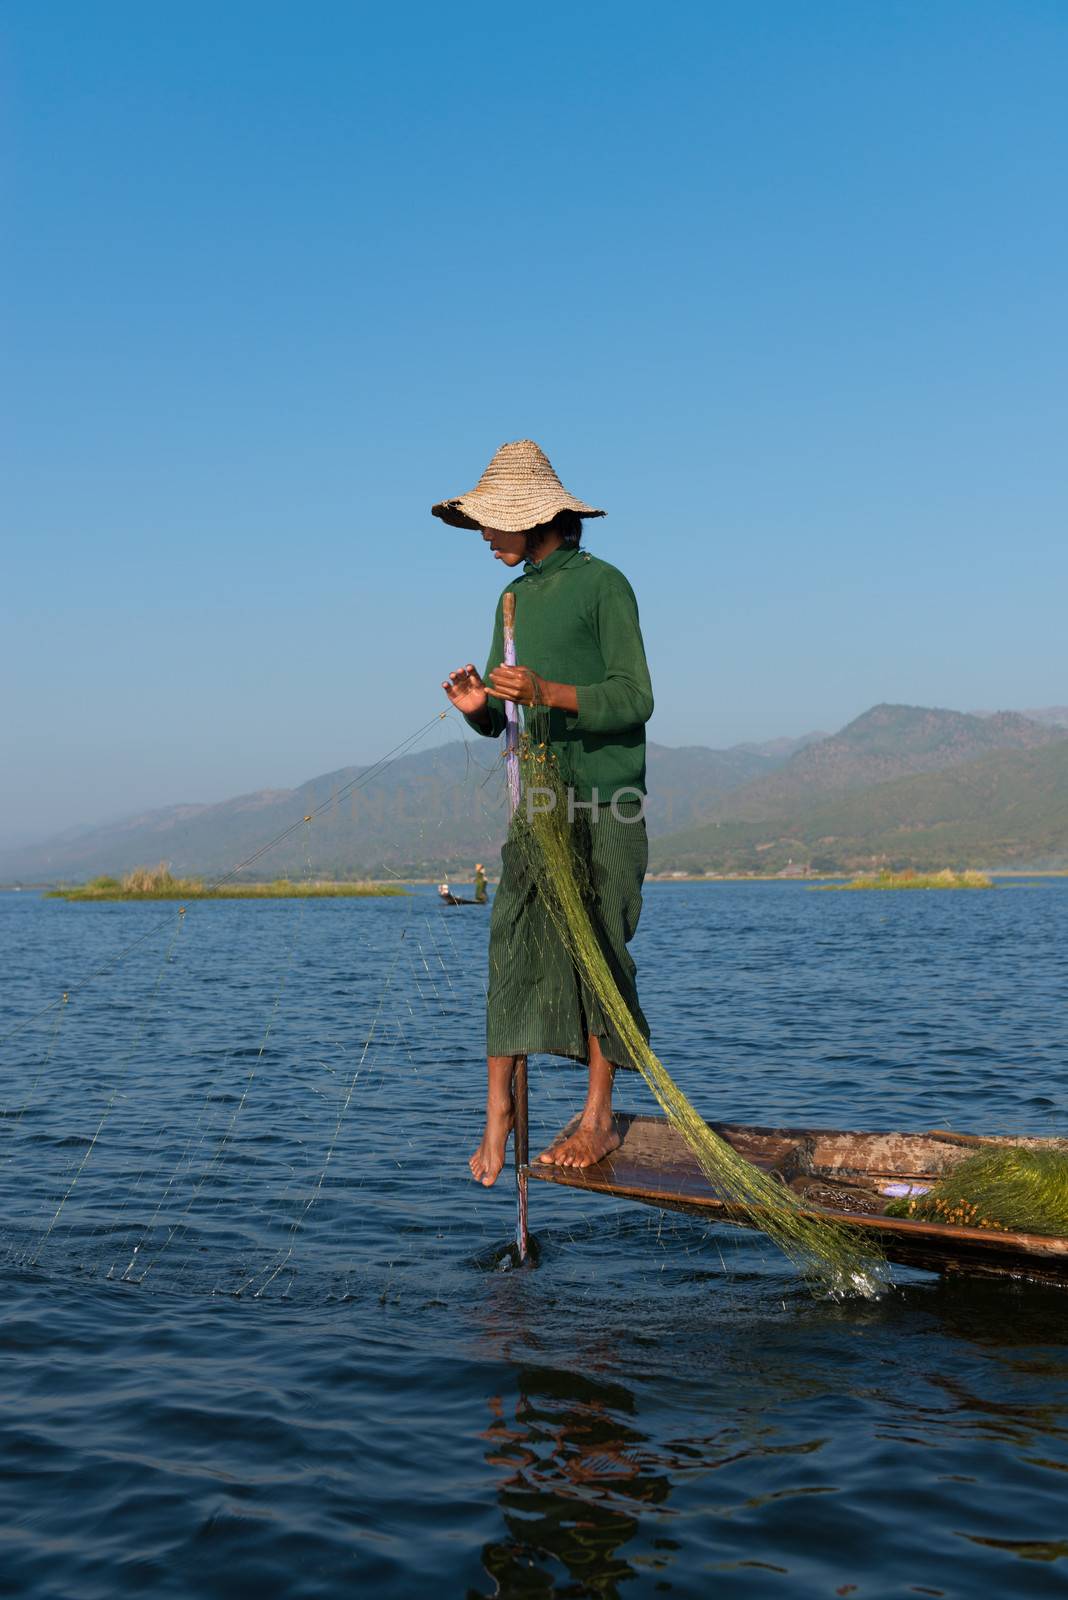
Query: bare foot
x,y
488,1159
589,1143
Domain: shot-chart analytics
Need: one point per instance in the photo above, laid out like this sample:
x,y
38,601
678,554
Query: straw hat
x,y
518,490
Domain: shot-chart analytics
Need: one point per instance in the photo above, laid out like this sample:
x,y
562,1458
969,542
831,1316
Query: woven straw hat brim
x,y
518,490
486,511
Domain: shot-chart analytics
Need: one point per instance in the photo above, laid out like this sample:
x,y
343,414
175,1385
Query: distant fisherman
x,y
583,667
480,884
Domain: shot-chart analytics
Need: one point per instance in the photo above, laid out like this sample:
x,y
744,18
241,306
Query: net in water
x,y
829,1252
252,1099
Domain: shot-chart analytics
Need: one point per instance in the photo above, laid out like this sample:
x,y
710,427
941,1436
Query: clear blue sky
x,y
783,286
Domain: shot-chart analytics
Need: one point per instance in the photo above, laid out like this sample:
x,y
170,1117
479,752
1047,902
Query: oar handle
x,y
511,710
519,1071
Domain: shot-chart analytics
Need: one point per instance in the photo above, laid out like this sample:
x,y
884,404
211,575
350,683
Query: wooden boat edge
x,y
937,1246
1032,1243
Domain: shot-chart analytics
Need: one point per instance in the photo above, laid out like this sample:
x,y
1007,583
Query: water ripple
x,y
252,1345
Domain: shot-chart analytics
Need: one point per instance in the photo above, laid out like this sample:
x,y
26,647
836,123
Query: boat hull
x,y
835,1173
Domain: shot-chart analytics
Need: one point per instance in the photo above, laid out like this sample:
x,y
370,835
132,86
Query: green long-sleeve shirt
x,y
576,621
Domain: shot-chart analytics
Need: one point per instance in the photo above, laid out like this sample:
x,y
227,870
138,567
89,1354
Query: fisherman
x,y
480,884
584,685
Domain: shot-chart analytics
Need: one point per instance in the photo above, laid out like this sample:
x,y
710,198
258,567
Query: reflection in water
x,y
573,1473
657,1409
1012,1387
682,1443
1026,1549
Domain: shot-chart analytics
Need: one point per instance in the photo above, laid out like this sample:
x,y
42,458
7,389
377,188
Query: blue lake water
x,y
254,1343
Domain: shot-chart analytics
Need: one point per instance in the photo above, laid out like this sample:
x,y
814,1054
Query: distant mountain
x,y
431,811
424,810
689,783
889,741
440,810
781,749
1050,716
1005,809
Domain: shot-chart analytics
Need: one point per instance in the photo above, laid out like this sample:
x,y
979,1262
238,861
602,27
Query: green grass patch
x,y
838,1256
157,883
946,879
1010,1188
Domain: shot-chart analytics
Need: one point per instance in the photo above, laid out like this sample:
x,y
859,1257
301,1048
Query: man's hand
x,y
526,688
519,684
466,690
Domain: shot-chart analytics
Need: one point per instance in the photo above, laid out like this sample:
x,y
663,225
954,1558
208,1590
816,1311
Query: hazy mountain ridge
x,y
1050,716
426,812
782,749
889,741
365,829
1007,809
829,801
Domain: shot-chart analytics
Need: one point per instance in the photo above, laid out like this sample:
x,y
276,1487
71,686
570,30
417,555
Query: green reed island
x,y
156,883
946,879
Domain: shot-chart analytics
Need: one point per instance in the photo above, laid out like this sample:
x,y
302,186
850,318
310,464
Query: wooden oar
x,y
520,1135
511,710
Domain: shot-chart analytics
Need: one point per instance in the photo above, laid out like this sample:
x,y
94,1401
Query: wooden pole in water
x,y
511,710
522,1153
520,1139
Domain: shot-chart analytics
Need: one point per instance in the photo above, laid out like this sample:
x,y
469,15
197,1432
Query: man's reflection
x,y
573,1477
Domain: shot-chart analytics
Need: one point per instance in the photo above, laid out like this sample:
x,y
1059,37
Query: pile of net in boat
x,y
833,1254
1012,1188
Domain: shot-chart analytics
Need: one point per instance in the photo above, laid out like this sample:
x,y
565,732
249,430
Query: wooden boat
x,y
837,1173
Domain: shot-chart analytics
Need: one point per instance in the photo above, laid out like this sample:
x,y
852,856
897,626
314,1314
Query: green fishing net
x,y
835,1255
1007,1187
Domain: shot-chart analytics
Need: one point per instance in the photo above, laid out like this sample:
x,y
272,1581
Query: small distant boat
x,y
447,898
852,1177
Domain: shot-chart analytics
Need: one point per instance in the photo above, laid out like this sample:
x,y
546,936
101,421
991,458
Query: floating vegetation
x,y
157,883
831,1253
946,879
1010,1188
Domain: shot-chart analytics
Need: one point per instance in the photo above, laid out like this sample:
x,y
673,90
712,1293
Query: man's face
x,y
511,548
